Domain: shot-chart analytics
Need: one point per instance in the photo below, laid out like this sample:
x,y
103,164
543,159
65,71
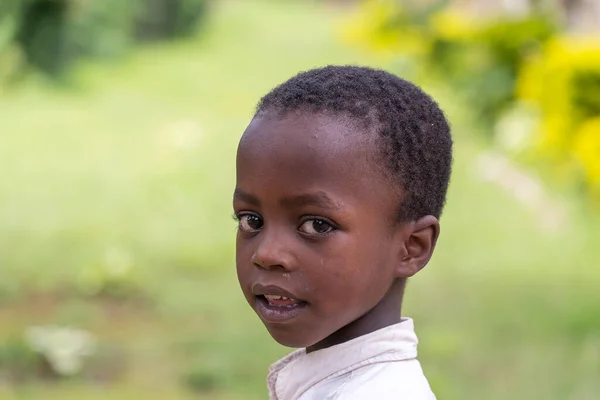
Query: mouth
x,y
275,301
276,305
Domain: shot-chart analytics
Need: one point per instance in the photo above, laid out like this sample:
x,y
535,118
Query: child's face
x,y
316,226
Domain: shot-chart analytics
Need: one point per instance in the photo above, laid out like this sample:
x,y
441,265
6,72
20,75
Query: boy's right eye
x,y
250,222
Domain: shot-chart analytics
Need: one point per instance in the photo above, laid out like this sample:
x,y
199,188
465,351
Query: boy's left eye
x,y
315,227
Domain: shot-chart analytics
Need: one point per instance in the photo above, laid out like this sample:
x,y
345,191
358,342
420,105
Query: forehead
x,y
299,138
279,156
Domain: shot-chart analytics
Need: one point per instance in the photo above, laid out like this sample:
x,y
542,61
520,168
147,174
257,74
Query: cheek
x,y
345,265
353,270
242,257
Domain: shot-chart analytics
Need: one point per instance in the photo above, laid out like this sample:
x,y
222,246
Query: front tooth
x,y
272,297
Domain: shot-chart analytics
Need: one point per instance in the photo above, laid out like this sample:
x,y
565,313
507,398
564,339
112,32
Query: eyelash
x,y
334,227
332,224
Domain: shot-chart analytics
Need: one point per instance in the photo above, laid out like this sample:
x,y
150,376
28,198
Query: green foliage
x,y
203,378
562,85
169,18
18,361
52,33
113,276
480,59
101,29
586,94
487,62
11,57
23,359
42,26
511,71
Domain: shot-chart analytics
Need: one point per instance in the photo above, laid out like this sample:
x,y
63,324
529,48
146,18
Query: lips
x,y
272,290
275,304
280,301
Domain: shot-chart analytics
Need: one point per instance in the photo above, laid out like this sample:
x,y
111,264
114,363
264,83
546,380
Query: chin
x,y
289,337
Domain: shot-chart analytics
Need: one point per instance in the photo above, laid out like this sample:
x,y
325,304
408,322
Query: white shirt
x,y
380,365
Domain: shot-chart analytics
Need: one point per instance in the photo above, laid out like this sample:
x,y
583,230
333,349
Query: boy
x,y
341,179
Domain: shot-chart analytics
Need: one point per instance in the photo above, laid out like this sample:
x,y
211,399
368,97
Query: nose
x,y
273,251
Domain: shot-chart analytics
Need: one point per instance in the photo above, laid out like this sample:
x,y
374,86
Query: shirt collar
x,y
297,372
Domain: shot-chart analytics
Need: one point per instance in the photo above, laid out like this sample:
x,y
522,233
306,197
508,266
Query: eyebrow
x,y
319,199
249,198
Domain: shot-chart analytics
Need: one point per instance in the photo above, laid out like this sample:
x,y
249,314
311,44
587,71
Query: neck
x,y
385,313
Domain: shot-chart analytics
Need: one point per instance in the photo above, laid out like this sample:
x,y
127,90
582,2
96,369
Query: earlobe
x,y
419,240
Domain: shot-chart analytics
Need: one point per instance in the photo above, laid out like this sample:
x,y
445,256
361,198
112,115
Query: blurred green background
x,y
118,128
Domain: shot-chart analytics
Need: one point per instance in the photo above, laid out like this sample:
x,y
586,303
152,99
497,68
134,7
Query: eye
x,y
250,222
316,227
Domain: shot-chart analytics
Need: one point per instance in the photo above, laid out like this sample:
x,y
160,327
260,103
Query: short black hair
x,y
413,133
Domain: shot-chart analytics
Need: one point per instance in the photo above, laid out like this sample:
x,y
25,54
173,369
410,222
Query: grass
x,y
130,169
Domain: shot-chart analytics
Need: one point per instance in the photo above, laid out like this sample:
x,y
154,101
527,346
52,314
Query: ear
x,y
419,240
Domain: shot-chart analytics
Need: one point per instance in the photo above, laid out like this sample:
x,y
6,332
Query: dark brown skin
x,y
317,219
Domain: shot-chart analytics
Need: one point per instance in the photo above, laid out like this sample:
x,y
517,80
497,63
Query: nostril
x,y
258,264
255,261
266,263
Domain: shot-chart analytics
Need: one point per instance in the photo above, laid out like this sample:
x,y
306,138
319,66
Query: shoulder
x,y
403,380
